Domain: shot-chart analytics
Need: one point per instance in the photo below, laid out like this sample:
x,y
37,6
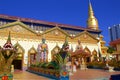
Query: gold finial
x,y
91,13
92,22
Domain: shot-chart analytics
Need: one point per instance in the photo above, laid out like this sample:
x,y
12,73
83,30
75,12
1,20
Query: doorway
x,y
17,64
18,61
88,59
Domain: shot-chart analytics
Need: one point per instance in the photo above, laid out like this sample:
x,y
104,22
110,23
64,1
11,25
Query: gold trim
x,y
17,45
56,28
18,23
31,50
86,32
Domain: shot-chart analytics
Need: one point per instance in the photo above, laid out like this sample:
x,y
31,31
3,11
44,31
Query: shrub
x,y
114,63
96,64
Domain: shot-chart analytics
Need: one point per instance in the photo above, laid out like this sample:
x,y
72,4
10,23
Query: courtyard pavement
x,y
92,74
24,75
89,74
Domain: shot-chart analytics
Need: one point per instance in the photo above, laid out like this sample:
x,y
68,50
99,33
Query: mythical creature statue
x,y
7,55
63,56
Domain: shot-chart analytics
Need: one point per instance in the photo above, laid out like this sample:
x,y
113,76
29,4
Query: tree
x,y
111,49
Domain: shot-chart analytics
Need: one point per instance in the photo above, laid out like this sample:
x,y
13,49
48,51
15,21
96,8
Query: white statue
x,y
79,46
83,65
74,68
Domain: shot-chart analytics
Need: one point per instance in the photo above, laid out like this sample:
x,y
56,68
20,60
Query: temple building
x,y
28,34
115,39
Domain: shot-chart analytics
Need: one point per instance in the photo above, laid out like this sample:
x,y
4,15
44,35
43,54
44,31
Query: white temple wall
x,y
51,45
90,46
28,43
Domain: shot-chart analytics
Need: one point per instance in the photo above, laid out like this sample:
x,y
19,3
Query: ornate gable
x,y
86,37
20,49
32,50
55,33
17,29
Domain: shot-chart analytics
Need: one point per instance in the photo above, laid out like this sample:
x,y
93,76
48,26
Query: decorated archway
x,y
19,60
88,58
94,55
86,49
32,56
80,56
54,51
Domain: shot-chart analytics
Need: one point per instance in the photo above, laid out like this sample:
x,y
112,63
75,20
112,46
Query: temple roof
x,y
45,23
80,52
115,42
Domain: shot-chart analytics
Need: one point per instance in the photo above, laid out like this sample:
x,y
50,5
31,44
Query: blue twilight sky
x,y
74,12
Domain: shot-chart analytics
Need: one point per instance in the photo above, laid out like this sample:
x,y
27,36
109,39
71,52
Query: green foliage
x,y
110,49
114,63
53,65
44,65
60,60
96,64
33,65
50,65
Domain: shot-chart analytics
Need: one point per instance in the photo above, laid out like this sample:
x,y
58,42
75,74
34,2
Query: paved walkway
x,y
89,74
92,74
23,75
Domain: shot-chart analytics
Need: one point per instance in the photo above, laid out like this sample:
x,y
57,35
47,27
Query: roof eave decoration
x,y
32,49
86,32
115,42
52,29
18,45
17,23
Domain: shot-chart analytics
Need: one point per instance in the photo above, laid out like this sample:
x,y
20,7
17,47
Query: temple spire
x,y
92,22
90,12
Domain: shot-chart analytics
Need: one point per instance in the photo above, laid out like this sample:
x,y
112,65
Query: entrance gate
x,y
18,62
